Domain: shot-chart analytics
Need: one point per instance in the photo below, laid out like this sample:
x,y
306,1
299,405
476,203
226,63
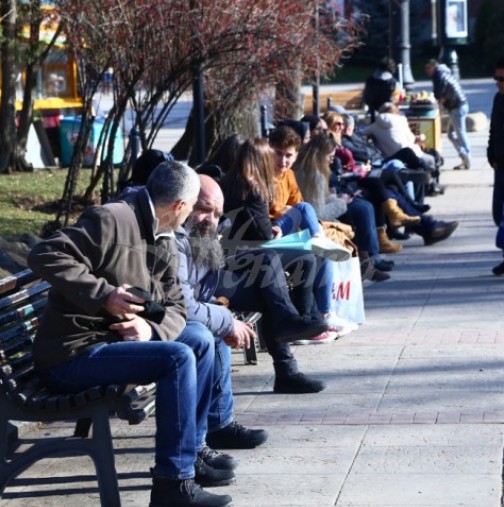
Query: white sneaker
x,y
327,248
341,326
326,337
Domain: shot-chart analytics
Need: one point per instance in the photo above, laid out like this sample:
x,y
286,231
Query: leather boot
x,y
386,246
183,493
396,215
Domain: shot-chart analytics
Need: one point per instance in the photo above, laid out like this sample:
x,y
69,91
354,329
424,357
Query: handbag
x,y
347,293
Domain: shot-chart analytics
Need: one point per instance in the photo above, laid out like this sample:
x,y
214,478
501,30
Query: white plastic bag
x,y
348,294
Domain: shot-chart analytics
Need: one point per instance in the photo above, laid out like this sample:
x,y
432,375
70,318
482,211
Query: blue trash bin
x,y
69,130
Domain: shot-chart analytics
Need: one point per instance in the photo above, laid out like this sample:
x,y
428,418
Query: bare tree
x,y
8,13
19,55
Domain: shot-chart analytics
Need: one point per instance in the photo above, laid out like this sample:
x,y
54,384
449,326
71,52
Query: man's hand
x,y
277,232
120,303
241,335
134,330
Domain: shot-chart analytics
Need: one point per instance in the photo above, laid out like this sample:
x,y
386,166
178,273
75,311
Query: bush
x,y
488,34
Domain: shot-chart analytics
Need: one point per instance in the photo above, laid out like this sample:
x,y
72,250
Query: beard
x,y
205,245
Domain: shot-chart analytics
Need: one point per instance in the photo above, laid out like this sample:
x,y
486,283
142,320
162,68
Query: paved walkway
x,y
413,415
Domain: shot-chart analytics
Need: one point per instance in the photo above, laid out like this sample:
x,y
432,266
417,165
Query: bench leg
x,y
103,457
99,447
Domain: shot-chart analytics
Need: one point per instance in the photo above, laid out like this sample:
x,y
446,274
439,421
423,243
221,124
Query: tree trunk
x,y
26,115
8,15
288,97
243,119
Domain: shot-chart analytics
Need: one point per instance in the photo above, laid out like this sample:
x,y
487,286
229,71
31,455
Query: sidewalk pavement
x,y
413,415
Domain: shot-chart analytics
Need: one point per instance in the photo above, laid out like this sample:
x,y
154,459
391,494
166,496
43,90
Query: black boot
x,y
216,459
297,383
236,436
183,493
208,476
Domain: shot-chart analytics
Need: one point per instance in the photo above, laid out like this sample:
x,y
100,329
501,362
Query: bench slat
x,y
16,280
23,396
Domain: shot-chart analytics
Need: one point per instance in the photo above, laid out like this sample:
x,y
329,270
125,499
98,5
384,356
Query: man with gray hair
x,y
116,315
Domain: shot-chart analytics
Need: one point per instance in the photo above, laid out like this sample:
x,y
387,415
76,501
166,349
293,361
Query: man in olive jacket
x,y
97,331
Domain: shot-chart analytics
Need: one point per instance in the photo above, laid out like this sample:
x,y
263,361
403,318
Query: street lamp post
x,y
199,115
400,40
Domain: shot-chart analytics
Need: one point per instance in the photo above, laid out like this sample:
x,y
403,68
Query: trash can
x,y
425,119
69,131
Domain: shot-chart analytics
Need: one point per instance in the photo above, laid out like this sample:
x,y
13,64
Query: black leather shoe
x,y
216,459
384,265
379,276
183,493
440,232
397,234
208,476
298,328
297,384
422,208
236,436
499,269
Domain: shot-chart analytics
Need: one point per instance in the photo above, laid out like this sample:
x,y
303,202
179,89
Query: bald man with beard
x,y
252,280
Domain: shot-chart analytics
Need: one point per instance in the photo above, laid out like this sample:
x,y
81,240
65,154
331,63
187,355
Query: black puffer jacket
x,y
495,150
447,87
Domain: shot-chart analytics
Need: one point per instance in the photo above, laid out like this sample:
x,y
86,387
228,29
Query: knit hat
x,y
300,127
146,163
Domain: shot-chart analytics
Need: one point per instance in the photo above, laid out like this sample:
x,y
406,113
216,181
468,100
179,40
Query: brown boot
x,y
396,215
386,246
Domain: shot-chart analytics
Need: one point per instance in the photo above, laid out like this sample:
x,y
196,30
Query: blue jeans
x,y
300,216
362,214
457,129
184,381
221,409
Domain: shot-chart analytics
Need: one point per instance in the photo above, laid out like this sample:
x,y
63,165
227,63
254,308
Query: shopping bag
x,y
347,293
295,241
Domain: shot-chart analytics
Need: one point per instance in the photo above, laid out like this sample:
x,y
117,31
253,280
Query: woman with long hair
x,y
249,188
313,169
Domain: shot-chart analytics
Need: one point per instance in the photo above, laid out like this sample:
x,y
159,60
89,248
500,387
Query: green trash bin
x,y
69,130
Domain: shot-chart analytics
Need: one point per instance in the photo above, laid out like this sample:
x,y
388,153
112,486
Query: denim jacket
x,y
198,287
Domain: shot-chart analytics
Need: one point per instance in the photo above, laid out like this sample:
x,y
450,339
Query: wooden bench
x,y
24,398
349,99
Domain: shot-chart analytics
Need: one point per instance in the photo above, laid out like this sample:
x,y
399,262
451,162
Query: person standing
x,y
495,151
451,97
381,86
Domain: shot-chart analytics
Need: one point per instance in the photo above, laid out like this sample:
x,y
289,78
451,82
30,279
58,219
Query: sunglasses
x,y
500,79
340,124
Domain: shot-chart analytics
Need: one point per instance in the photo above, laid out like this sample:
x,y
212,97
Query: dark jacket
x,y
495,150
447,87
378,89
110,245
362,149
249,216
